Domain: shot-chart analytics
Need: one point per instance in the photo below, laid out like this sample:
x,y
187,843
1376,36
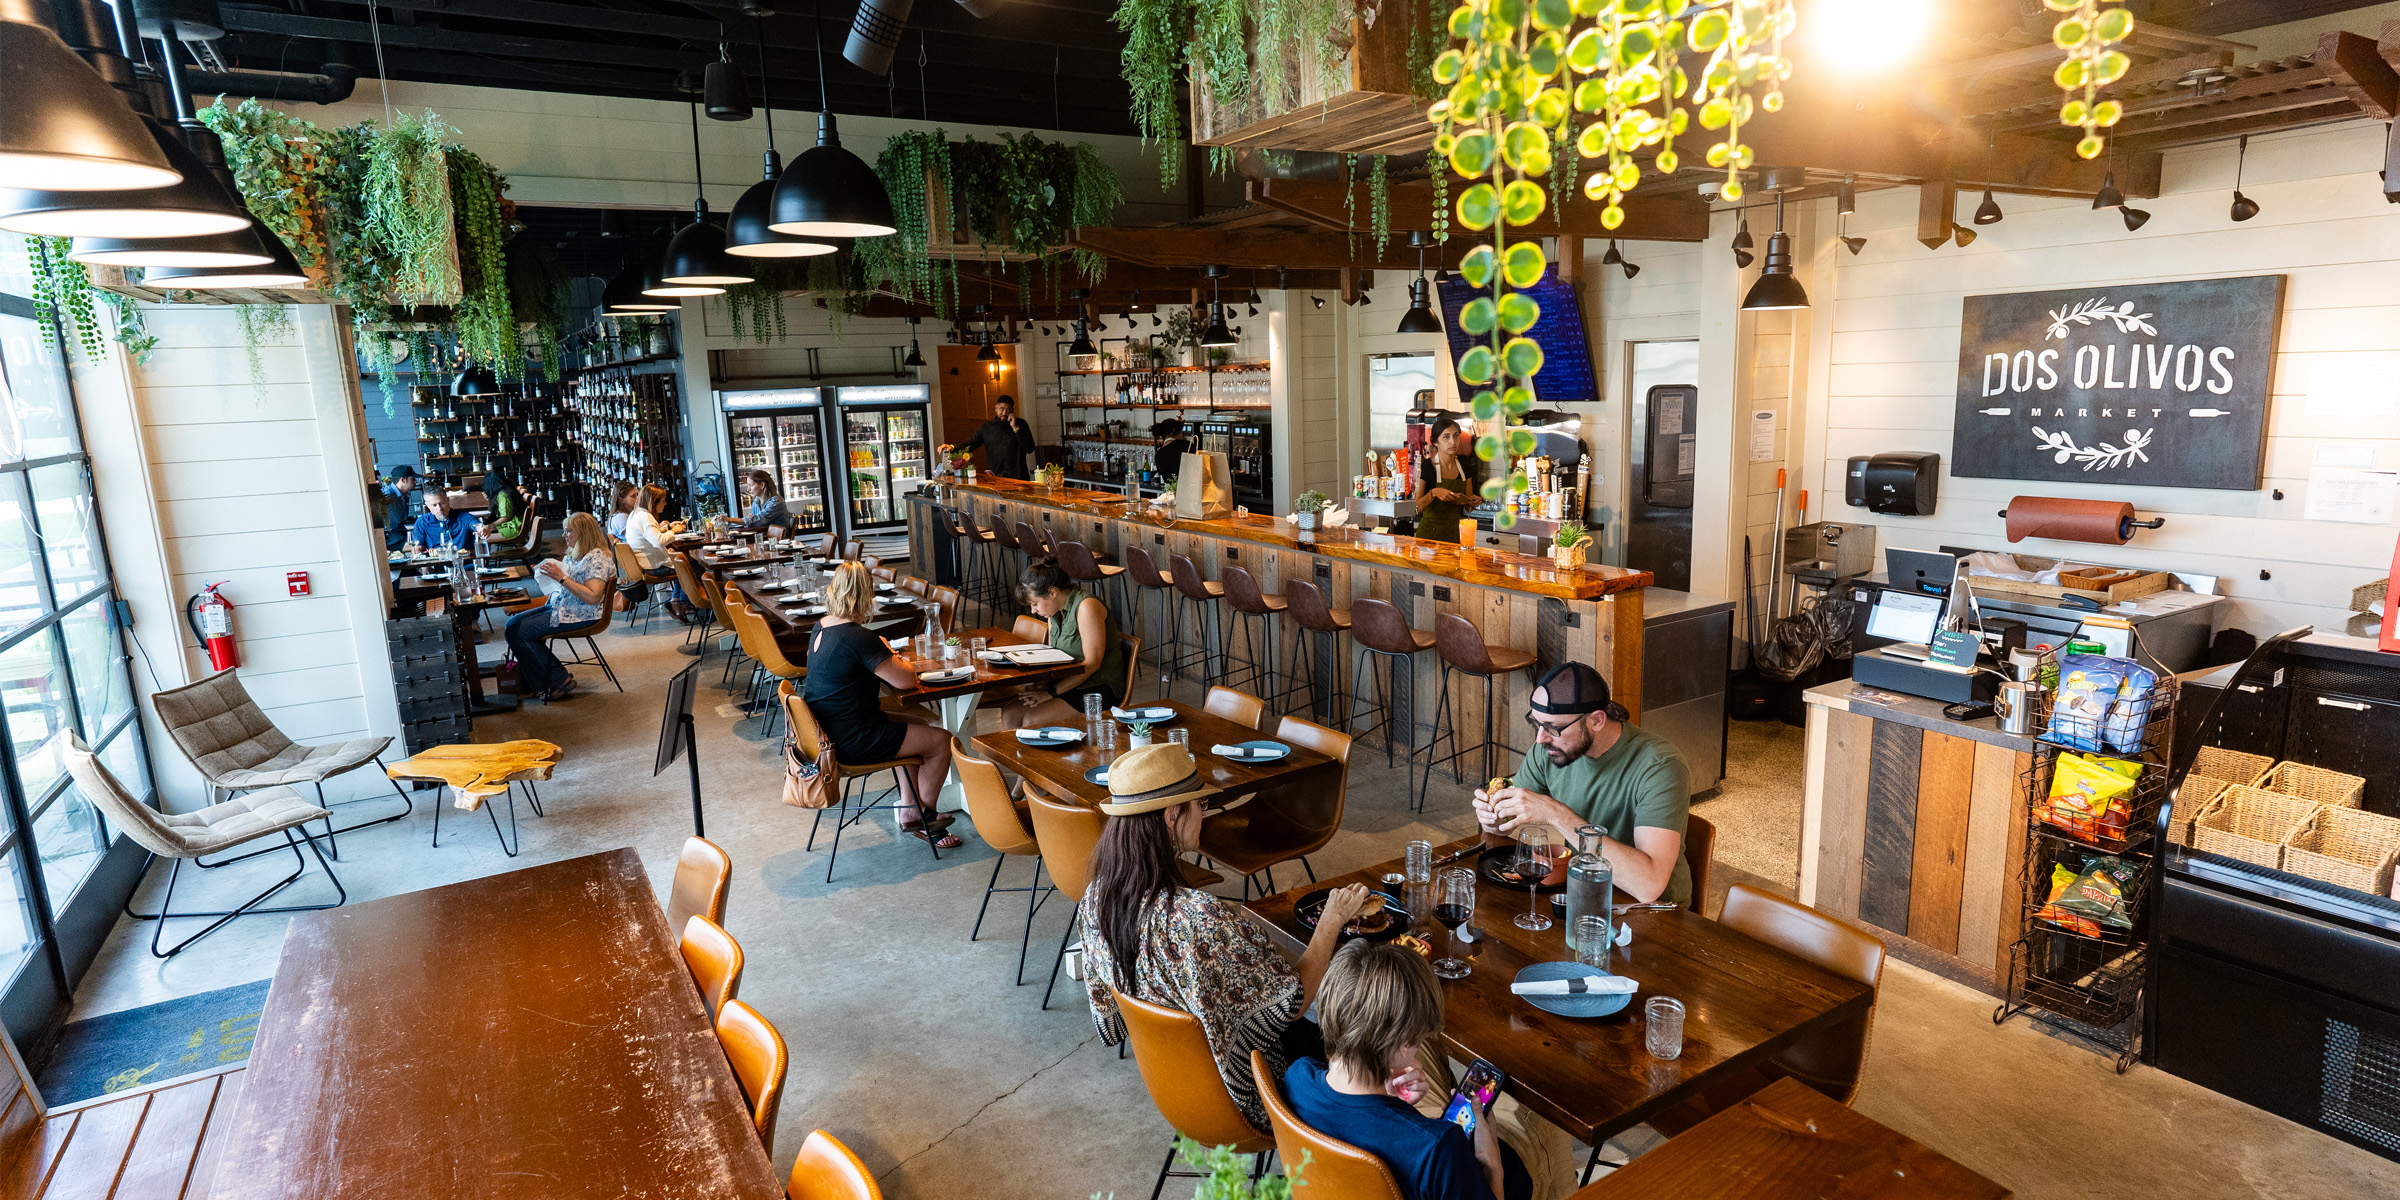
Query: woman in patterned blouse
x,y
1149,937
583,580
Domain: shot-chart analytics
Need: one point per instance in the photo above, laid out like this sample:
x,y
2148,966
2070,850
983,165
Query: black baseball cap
x,y
404,471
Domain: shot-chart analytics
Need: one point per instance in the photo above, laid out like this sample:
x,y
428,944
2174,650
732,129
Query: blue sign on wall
x,y
1566,374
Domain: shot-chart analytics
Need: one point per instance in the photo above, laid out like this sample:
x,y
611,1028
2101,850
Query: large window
x,y
62,655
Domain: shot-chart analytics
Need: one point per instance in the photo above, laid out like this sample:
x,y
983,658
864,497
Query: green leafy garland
x,y
1022,194
759,304
62,296
487,326
408,198
1165,39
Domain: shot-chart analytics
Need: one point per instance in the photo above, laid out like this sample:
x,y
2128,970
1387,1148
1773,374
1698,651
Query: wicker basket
x,y
2198,794
2250,825
2315,784
2232,766
2345,846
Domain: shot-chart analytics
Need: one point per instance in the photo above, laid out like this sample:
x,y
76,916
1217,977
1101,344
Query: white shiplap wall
x,y
1894,350
203,477
1660,304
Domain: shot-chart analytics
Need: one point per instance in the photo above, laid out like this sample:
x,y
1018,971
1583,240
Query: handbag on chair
x,y
811,783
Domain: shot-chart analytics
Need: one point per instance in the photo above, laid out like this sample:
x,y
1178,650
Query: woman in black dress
x,y
847,668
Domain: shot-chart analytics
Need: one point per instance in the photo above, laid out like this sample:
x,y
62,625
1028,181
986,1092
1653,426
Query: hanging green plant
x,y
1512,90
278,162
1020,194
408,201
1379,193
260,322
487,325
62,296
2089,32
759,304
1167,39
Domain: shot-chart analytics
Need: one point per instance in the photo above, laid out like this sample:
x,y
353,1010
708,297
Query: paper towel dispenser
x,y
1905,482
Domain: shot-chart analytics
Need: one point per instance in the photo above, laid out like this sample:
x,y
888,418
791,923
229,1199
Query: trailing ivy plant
x,y
487,324
1020,194
279,162
260,322
1167,39
407,196
759,303
62,296
1513,89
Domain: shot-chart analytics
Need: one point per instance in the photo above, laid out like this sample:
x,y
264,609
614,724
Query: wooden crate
x,y
2107,584
1373,114
949,237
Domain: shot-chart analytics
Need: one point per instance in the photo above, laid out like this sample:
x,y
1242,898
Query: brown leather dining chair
x,y
1066,834
1005,825
1699,846
915,585
811,739
1336,1167
702,873
759,1060
1235,705
1285,823
1171,1049
715,961
827,1170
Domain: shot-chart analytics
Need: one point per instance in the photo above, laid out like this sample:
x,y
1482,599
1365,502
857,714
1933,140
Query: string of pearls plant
x,y
2089,33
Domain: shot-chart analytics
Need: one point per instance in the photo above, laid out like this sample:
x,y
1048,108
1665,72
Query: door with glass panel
x,y
64,872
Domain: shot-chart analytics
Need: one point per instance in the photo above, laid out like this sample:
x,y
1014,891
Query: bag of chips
x,y
2087,689
2129,717
2090,797
2092,901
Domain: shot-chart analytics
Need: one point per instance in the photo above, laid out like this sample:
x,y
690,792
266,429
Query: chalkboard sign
x,y
2159,384
1566,374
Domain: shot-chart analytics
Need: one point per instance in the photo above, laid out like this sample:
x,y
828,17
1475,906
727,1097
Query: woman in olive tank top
x,y
1080,624
1445,491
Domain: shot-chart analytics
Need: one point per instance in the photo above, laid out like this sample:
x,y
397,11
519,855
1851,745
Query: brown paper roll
x,y
2067,520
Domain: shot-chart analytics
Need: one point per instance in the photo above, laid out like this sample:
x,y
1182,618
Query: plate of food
x,y
1383,919
1499,866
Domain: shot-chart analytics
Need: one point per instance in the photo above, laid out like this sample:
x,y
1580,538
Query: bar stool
x,y
1144,572
1076,560
1011,558
1321,626
1191,589
1253,611
1034,541
1378,629
978,570
1463,649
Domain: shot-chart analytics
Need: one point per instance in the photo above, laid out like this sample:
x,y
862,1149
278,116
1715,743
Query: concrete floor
x,y
909,1043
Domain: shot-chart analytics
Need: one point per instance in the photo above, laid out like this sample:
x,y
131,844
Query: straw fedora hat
x,y
1149,778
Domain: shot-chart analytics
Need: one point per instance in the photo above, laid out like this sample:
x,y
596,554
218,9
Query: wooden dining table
x,y
1061,772
1789,1141
1743,1000
529,1034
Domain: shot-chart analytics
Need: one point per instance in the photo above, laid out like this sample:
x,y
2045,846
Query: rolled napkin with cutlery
x,y
1223,750
1583,985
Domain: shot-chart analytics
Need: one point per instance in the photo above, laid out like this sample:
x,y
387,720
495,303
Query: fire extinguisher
x,y
211,618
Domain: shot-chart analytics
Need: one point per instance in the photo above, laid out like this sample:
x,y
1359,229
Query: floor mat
x,y
141,1046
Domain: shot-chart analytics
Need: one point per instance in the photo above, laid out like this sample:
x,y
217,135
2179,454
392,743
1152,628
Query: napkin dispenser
x,y
1902,482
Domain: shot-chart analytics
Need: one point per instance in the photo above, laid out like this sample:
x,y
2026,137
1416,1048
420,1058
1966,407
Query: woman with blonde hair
x,y
847,668
583,580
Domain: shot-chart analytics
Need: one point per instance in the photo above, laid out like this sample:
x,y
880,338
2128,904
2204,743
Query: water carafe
x,y
1590,883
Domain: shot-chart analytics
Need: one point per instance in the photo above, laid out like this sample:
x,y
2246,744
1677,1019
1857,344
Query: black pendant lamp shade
x,y
1420,317
830,192
281,270
1776,287
988,352
749,233
697,257
916,357
2108,196
1083,347
472,380
61,123
239,248
1988,212
2244,207
723,90
193,205
623,296
1216,335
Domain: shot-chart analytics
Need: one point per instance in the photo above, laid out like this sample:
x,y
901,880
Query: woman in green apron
x,y
1445,491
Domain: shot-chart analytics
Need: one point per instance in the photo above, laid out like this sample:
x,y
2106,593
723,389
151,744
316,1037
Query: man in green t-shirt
x,y
1589,767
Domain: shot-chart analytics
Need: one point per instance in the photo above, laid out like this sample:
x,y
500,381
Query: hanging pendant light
x,y
1742,243
63,124
1776,287
623,296
830,192
696,256
473,380
239,248
194,205
1420,317
723,89
916,357
748,232
1216,335
1845,203
280,270
2244,207
987,352
1988,212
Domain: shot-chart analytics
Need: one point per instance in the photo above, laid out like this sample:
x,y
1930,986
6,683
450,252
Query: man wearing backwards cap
x,y
1591,768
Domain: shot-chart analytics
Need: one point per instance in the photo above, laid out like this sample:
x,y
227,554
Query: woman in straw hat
x,y
1149,937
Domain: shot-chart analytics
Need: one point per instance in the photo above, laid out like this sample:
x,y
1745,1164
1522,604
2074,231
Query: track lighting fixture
x,y
1742,243
1845,199
1155,322
1988,212
1776,288
2135,218
2244,207
1318,301
2108,196
1616,258
1855,244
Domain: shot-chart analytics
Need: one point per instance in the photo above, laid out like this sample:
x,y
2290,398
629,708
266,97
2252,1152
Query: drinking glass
x,y
976,647
1453,906
1093,714
1592,938
1181,737
1420,862
1536,846
1663,1032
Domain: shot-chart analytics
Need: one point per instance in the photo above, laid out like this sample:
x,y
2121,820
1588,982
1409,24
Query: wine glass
x,y
1537,846
1453,906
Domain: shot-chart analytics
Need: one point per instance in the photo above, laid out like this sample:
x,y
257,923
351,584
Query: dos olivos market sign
x,y
2161,384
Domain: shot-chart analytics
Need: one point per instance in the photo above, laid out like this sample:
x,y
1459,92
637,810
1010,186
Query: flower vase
x,y
1306,520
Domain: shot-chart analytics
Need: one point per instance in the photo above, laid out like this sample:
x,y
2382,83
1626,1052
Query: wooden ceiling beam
x,y
2352,62
2047,98
2212,114
2330,108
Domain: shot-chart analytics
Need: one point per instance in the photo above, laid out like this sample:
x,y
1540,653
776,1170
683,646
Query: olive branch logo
x,y
2099,456
2092,312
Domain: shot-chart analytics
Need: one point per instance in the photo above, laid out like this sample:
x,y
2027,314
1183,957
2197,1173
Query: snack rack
x,y
2088,982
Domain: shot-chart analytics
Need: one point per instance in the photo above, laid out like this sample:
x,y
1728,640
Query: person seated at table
x,y
847,668
1379,1007
616,508
582,580
1596,769
396,505
1148,936
437,526
508,506
639,508
766,503
1080,624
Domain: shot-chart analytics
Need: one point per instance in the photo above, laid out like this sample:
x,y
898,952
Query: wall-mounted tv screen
x,y
1566,374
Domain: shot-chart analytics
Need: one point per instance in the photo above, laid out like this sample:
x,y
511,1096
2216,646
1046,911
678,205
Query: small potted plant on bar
x,y
1568,549
1137,733
1054,476
1308,509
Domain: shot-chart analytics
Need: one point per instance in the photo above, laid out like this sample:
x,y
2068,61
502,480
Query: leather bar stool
x,y
1463,650
1011,557
1146,575
1077,561
1380,631
1254,613
978,577
1202,594
1319,645
1034,541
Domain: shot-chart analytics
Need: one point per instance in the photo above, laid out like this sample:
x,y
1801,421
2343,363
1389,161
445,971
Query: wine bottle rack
x,y
524,432
629,425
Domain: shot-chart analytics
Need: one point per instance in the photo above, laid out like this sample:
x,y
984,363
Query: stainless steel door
x,y
1665,391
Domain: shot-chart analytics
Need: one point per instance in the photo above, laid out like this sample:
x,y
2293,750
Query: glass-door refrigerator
x,y
886,430
780,432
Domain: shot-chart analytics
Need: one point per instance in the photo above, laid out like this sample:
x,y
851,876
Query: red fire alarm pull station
x,y
296,582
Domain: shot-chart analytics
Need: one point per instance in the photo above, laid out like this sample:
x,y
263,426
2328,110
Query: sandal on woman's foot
x,y
940,821
940,839
560,692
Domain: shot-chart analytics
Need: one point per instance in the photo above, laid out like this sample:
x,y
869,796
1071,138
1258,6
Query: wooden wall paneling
x,y
1841,847
1937,876
162,1154
1891,840
96,1149
2012,879
212,1143
1991,811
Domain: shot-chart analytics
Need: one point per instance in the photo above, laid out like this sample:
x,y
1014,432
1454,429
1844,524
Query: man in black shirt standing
x,y
1007,440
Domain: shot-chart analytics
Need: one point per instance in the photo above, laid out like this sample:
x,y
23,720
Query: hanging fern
x,y
260,322
487,324
408,199
1379,194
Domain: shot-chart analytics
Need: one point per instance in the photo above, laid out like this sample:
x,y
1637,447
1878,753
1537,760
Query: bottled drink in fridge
x,y
1590,883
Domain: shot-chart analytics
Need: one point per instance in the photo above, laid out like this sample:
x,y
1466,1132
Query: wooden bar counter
x,y
1914,825
1592,615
